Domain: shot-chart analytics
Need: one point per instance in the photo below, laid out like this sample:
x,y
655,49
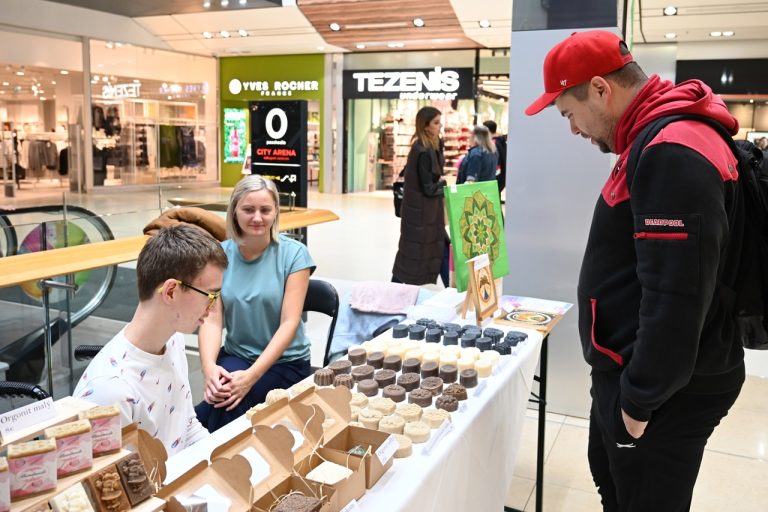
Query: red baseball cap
x,y
576,60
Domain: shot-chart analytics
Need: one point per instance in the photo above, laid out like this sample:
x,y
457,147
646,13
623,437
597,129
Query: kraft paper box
x,y
151,450
33,467
352,487
358,436
334,403
304,422
229,478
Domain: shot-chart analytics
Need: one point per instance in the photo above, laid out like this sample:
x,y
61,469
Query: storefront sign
x,y
275,88
413,84
234,135
279,145
119,91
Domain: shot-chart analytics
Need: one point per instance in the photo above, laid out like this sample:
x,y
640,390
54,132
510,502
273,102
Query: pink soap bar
x,y
34,473
5,487
75,453
106,431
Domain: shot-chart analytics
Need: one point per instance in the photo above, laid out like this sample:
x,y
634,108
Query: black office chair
x,y
13,389
323,298
85,352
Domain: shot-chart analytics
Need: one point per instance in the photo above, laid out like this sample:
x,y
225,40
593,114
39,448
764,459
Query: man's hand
x,y
217,387
240,384
634,427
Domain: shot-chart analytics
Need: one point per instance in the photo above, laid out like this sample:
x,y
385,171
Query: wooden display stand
x,y
481,292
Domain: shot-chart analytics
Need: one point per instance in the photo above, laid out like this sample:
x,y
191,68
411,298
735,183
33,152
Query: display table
x,y
468,469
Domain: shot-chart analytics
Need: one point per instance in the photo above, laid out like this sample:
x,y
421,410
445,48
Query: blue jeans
x,y
279,376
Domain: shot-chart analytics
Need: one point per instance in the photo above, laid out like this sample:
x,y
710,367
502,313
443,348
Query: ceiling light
x,y
418,22
224,34
42,98
335,26
105,79
119,45
207,35
243,32
109,44
6,84
360,46
670,35
728,33
136,81
64,72
53,82
715,34
95,77
395,45
484,23
170,97
2,92
206,4
224,3
19,73
670,10
751,101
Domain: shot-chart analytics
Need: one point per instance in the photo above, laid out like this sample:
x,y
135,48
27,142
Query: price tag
x,y
351,507
480,388
442,431
27,416
387,450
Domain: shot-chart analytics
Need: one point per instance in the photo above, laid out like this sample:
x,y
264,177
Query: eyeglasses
x,y
212,296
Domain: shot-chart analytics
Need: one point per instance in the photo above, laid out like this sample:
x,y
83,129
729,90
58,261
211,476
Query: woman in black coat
x,y
423,240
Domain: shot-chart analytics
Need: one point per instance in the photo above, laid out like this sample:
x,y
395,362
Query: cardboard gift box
x,y
351,437
228,478
334,402
303,422
352,487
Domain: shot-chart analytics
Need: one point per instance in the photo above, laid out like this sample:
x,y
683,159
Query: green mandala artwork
x,y
477,227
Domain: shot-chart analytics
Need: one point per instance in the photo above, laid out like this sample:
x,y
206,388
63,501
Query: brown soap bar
x,y
385,377
341,366
357,356
429,369
433,384
297,502
457,391
368,387
411,365
409,381
447,403
468,378
135,480
420,397
449,373
393,363
344,379
324,377
395,392
107,491
363,372
376,359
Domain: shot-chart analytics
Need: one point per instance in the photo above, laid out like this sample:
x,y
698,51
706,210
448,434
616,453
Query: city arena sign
x,y
413,84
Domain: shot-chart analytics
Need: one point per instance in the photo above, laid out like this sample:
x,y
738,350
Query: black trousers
x,y
658,471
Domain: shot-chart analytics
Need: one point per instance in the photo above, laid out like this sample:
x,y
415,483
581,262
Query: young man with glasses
x,y
143,369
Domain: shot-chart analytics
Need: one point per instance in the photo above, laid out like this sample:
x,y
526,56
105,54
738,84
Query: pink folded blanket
x,y
381,297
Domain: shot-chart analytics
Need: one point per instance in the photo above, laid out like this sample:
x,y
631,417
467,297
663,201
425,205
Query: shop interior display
x,y
313,142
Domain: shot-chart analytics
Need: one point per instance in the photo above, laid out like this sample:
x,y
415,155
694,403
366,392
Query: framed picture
x,y
481,292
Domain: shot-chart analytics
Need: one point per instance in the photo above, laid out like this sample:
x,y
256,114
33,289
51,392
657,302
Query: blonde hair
x,y
424,116
483,137
252,183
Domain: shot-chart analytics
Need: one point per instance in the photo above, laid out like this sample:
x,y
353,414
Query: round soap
x,y
451,338
435,417
362,372
483,344
395,392
516,336
397,351
354,411
404,446
468,378
416,332
410,344
493,333
392,424
447,403
470,352
447,327
417,431
457,391
324,377
393,363
385,377
420,397
414,353
433,384
411,365
374,346
369,418
357,356
504,348
400,331
358,400
434,335
341,366
345,380
430,357
368,387
447,359
275,395
465,363
409,381
424,321
429,369
409,412
471,328
384,405
376,359
483,368
492,356
300,387
468,340
449,373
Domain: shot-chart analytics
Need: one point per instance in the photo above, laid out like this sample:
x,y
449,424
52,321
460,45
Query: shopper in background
x,y
501,152
143,369
422,252
667,363
762,145
262,300
481,160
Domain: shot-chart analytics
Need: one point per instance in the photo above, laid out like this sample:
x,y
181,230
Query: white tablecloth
x,y
468,469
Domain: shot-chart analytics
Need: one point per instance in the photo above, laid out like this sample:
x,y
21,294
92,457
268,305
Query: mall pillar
x,y
553,182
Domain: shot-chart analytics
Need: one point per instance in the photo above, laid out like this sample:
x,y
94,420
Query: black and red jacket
x,y
648,302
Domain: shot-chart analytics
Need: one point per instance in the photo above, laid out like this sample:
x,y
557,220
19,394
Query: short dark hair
x,y
176,252
491,125
631,75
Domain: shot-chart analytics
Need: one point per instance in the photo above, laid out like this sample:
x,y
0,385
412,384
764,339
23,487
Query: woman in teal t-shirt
x,y
262,298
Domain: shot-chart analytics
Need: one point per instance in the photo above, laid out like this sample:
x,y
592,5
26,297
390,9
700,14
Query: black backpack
x,y
744,282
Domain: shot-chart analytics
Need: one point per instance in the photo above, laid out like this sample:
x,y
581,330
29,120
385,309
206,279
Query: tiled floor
x,y
362,245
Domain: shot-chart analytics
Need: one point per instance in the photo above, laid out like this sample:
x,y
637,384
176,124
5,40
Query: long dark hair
x,y
424,116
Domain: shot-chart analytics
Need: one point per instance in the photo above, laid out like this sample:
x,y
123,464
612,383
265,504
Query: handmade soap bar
x,y
420,397
404,446
376,359
370,418
393,362
409,412
392,424
456,390
447,403
73,499
136,483
297,502
344,379
341,366
417,431
106,433
385,377
384,405
358,399
107,491
435,417
468,378
275,395
394,392
409,381
362,372
368,387
430,369
324,377
32,466
356,356
449,373
433,384
74,446
329,473
411,365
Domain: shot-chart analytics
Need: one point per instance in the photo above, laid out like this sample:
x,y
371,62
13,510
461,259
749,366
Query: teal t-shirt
x,y
252,294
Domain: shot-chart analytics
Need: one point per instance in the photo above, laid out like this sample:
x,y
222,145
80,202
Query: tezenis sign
x,y
416,84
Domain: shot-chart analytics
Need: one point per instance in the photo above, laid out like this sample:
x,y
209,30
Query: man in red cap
x,y
666,362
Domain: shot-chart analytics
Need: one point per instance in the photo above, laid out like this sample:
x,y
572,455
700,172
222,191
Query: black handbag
x,y
398,188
